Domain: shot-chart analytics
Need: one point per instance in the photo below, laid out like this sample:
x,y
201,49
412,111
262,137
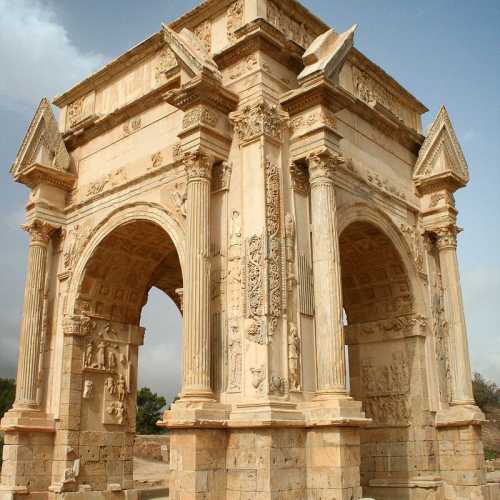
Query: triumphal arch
x,y
277,185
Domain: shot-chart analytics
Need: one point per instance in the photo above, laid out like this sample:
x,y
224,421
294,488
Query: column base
x,y
27,420
195,414
459,415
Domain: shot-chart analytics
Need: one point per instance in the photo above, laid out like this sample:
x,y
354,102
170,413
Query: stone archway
x,y
386,341
114,282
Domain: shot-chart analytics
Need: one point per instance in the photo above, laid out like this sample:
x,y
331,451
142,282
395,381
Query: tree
x,y
7,394
149,406
486,392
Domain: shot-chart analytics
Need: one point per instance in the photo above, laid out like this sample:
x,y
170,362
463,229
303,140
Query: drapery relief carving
x,y
75,239
292,29
234,19
294,358
234,359
234,279
386,390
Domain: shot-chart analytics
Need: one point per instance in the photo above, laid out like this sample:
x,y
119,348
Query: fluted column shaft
x,y
461,378
32,322
196,340
329,335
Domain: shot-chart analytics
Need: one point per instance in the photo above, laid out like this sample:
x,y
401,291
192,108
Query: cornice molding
x,y
111,70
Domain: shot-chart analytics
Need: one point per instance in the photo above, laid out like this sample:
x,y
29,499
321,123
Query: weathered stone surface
x,y
275,183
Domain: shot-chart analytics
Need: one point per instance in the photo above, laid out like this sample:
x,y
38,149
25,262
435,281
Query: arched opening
x,y
132,262
378,304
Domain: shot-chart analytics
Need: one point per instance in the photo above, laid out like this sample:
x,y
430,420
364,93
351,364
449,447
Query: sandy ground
x,y
150,474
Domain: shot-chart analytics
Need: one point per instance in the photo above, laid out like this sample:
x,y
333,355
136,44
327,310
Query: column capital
x,y
40,231
322,165
446,236
198,164
257,119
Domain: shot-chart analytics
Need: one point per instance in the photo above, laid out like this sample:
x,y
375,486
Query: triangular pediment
x,y
327,54
190,52
441,155
43,144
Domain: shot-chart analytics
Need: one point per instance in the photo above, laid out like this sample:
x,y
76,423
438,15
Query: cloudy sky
x,y
443,51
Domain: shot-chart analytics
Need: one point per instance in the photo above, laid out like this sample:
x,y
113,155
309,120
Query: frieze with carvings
x,y
166,62
234,19
372,92
106,363
75,112
292,29
389,329
305,122
204,32
444,196
106,182
386,390
199,116
132,125
243,67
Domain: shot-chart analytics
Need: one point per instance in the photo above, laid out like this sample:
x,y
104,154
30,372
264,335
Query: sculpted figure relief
x,y
294,349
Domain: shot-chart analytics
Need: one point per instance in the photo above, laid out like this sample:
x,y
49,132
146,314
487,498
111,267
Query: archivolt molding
x,y
360,212
151,212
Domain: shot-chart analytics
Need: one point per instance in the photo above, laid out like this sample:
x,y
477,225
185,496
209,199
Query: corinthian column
x,y
461,390
32,323
196,341
330,357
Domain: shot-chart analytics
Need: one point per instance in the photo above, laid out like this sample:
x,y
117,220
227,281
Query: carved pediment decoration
x,y
441,159
327,54
43,147
191,52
